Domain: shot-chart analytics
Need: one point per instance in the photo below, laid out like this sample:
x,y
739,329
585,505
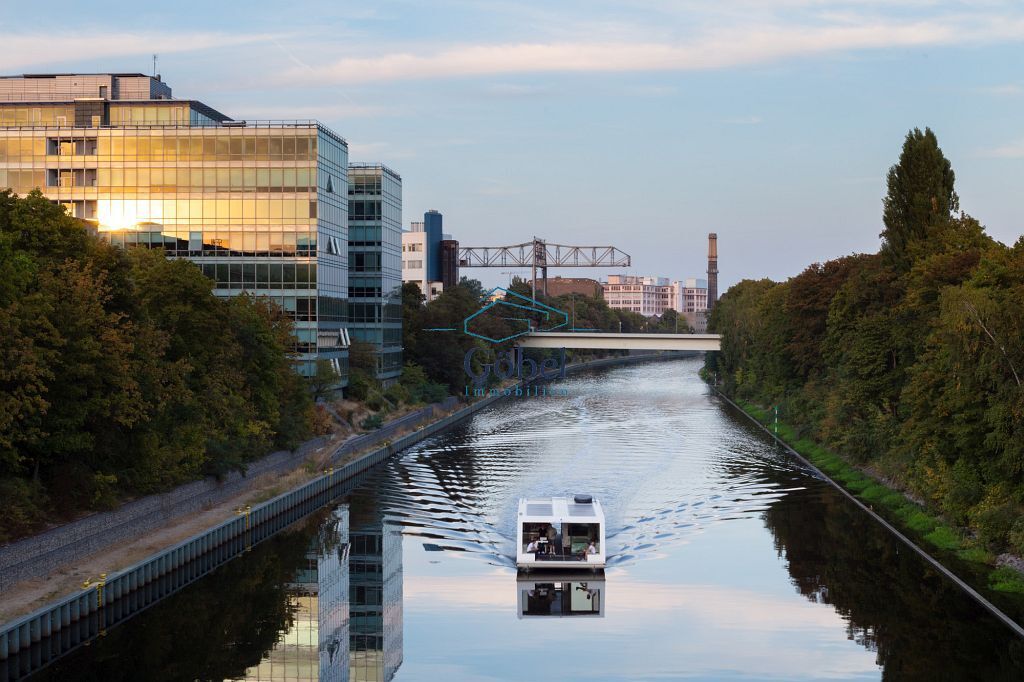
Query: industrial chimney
x,y
712,270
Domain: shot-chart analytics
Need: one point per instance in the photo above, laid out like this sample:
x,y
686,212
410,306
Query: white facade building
x,y
415,254
652,296
645,295
693,296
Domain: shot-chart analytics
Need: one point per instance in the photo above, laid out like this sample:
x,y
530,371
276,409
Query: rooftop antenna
x,y
154,65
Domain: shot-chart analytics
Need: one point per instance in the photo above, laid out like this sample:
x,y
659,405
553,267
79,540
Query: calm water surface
x,y
728,561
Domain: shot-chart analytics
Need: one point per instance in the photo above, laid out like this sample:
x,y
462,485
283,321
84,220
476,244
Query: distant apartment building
x,y
693,295
651,297
261,207
430,258
565,286
375,264
648,296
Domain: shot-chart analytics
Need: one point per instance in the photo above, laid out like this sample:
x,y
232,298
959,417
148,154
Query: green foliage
x,y
1016,537
373,421
1006,579
360,383
920,197
398,394
121,373
908,360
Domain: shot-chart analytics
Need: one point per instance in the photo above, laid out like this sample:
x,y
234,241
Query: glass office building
x,y
261,207
375,263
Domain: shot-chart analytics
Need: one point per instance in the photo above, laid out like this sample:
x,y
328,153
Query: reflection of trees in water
x,y
212,630
921,626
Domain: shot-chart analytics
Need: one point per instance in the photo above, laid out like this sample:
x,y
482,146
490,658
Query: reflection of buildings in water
x,y
375,598
315,646
346,604
560,595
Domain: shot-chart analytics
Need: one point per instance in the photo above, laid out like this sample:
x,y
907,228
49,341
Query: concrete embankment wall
x,y
28,643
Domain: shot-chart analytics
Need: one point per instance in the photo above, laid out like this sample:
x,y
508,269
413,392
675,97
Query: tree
x,y
323,379
920,197
121,373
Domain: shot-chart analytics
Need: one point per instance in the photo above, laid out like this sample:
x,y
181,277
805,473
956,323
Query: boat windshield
x,y
561,541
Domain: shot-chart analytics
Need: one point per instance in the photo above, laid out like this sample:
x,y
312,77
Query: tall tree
x,y
920,197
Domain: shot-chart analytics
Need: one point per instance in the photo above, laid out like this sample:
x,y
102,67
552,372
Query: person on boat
x,y
551,534
532,547
591,548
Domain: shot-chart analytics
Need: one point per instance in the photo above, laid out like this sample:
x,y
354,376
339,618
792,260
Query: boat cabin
x,y
560,532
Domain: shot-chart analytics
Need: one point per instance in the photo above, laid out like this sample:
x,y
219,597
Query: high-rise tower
x,y
712,270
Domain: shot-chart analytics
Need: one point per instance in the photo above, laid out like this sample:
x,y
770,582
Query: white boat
x,y
560,532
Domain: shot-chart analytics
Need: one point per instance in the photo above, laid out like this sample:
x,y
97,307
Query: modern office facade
x,y
261,207
375,264
424,247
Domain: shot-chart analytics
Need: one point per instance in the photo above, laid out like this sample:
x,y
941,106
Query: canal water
x,y
727,561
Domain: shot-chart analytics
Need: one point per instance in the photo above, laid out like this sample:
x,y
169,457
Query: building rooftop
x,y
559,508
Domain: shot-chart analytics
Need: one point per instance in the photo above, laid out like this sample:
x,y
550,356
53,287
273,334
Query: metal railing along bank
x,y
32,641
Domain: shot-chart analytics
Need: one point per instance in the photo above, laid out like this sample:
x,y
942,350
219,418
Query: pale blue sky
x,y
640,124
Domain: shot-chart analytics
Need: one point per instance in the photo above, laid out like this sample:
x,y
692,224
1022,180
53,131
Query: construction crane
x,y
540,254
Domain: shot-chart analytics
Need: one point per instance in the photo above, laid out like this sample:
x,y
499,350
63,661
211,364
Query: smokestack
x,y
712,270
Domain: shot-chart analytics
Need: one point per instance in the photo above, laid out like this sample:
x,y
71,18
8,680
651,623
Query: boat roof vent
x,y
583,499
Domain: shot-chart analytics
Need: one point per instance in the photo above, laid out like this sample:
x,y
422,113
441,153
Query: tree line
x,y
909,360
122,374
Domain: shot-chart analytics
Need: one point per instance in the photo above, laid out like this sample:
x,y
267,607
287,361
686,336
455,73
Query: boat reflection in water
x,y
560,594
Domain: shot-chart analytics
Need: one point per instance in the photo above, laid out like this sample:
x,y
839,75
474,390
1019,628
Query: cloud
x,y
713,49
23,50
1012,150
325,112
515,90
743,120
1005,90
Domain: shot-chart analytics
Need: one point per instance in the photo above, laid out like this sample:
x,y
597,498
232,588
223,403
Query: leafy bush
x,y
397,394
1016,537
374,421
359,385
994,525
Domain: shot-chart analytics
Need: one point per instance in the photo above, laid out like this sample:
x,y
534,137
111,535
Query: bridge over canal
x,y
620,341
